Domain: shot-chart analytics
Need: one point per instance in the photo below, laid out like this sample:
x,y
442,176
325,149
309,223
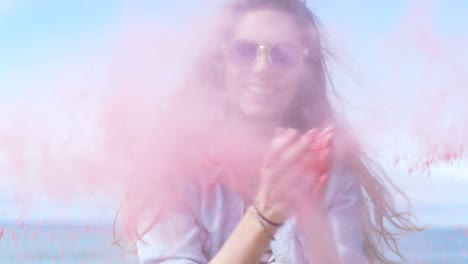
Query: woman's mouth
x,y
261,94
260,89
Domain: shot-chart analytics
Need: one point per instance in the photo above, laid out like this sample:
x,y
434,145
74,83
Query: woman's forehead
x,y
268,26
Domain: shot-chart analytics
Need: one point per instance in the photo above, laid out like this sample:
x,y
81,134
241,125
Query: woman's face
x,y
264,87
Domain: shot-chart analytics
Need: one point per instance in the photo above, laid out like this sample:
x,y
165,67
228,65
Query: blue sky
x,y
38,39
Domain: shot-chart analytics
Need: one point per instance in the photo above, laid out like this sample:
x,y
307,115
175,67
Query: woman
x,y
305,199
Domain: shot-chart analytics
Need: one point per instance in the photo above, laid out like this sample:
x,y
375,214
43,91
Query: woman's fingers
x,y
301,176
323,139
279,143
288,145
294,153
289,149
295,170
322,161
319,190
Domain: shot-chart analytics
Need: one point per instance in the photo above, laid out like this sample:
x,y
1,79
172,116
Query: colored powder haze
x,y
82,83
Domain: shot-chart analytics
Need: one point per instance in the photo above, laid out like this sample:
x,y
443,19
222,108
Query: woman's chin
x,y
260,112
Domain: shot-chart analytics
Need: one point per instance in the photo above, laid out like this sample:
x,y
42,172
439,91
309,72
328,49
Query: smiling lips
x,y
260,89
261,93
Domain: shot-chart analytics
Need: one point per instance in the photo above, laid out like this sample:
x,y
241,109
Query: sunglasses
x,y
285,55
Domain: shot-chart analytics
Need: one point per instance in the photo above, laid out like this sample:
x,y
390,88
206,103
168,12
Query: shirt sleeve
x,y
176,238
346,214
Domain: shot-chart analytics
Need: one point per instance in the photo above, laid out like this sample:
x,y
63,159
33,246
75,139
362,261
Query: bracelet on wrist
x,y
264,225
265,218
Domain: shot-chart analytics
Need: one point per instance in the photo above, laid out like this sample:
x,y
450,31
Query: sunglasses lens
x,y
242,52
285,55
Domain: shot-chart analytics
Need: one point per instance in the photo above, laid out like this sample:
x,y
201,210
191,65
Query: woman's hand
x,y
294,173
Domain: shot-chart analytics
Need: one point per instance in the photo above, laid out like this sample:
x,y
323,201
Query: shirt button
x,y
282,259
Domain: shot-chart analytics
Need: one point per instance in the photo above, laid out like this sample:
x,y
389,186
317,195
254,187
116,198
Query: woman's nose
x,y
262,63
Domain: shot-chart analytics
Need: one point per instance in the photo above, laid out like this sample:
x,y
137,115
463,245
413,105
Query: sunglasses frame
x,y
305,52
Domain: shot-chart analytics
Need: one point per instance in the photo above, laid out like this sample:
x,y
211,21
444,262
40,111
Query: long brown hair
x,y
310,108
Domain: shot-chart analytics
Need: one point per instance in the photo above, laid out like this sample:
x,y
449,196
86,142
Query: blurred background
x,y
401,74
